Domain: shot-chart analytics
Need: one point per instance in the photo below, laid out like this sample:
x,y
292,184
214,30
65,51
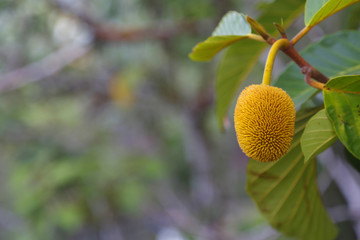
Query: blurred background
x,y
107,129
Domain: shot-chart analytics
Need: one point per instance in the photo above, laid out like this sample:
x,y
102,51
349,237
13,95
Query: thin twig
x,y
104,32
43,68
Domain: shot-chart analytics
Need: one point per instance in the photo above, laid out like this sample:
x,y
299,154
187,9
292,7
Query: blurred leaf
x,y
131,196
67,215
352,18
241,57
63,173
318,135
232,28
62,111
286,192
342,104
318,10
334,55
120,90
153,169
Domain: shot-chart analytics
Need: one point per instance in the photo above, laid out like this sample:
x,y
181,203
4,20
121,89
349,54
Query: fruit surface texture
x,y
264,122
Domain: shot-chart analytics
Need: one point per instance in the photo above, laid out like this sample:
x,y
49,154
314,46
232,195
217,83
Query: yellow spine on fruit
x,y
264,122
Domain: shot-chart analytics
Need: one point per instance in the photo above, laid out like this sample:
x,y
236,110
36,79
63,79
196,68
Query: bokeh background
x,y
107,129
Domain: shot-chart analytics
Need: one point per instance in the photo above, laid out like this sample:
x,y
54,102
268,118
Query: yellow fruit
x,y
264,122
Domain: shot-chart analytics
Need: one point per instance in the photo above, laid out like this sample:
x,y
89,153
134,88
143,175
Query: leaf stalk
x,y
300,34
307,71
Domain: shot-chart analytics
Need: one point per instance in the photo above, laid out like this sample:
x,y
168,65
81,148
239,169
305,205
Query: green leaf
x,y
286,192
240,57
342,104
318,135
233,23
345,84
232,28
318,10
237,68
334,55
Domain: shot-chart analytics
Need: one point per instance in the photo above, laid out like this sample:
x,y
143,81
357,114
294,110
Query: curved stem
x,y
307,71
279,44
289,50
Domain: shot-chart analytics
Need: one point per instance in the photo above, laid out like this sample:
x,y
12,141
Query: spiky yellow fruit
x,y
264,122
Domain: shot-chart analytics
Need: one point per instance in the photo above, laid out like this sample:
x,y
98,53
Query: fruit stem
x,y
279,44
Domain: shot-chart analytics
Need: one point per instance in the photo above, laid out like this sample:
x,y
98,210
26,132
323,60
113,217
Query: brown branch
x,y
66,55
104,32
107,33
290,51
302,63
43,68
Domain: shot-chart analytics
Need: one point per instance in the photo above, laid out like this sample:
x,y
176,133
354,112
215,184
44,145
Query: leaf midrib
x,y
286,195
278,181
311,155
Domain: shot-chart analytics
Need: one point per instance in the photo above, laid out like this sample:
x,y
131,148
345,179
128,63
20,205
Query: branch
x,y
66,55
104,32
113,34
302,63
290,51
42,69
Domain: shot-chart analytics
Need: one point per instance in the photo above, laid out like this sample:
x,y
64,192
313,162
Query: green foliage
x,y
240,58
232,28
318,135
125,139
316,11
334,55
342,104
285,191
236,64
